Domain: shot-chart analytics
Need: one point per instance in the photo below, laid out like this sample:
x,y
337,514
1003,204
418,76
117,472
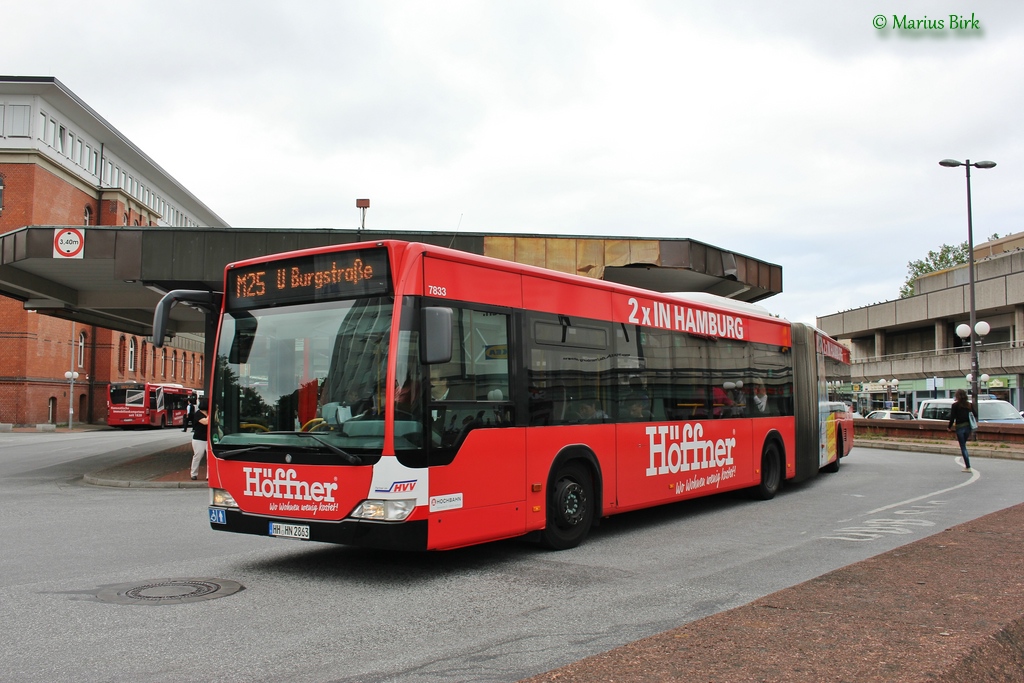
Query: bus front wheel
x,y
570,508
771,473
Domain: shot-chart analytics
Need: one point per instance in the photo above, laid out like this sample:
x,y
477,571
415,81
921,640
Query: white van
x,y
989,410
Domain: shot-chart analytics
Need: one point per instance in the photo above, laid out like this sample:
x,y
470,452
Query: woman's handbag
x,y
973,420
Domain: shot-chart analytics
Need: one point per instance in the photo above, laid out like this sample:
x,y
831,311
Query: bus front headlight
x,y
385,510
221,498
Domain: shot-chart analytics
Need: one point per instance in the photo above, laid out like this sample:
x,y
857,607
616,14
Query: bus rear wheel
x,y
771,473
570,508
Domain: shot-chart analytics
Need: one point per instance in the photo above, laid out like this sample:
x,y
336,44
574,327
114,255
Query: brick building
x,y
61,164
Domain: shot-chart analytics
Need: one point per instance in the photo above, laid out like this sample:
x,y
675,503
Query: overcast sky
x,y
793,132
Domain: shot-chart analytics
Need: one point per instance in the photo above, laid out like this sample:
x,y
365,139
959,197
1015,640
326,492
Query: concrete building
x,y
62,164
913,340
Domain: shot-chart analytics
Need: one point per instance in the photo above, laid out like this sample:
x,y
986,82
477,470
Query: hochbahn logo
x,y
266,482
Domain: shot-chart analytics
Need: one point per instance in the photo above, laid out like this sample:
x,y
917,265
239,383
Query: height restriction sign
x,y
68,242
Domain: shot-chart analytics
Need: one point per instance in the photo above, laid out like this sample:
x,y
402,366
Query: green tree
x,y
948,256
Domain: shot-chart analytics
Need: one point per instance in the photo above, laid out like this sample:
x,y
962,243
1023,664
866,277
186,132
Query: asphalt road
x,y
498,612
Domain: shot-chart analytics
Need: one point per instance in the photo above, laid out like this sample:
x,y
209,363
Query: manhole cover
x,y
167,591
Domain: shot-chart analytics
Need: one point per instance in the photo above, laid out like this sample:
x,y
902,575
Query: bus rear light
x,y
221,498
385,510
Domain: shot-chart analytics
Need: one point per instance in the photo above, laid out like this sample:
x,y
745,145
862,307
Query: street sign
x,y
68,242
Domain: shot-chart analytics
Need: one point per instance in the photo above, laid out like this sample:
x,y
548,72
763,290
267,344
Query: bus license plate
x,y
289,530
218,516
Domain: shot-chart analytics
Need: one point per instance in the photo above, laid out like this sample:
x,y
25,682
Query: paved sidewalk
x,y
976,449
163,469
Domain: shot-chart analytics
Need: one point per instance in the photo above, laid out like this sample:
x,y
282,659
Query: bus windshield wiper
x,y
348,457
227,455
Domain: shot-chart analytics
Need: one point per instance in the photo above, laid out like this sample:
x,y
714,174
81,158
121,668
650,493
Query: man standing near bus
x,y
189,411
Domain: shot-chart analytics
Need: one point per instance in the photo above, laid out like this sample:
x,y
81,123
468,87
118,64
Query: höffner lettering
x,y
285,485
675,448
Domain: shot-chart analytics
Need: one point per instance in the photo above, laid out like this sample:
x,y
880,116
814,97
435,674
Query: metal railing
x,y
931,353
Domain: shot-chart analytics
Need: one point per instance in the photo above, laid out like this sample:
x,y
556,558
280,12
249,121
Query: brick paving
x,y
948,609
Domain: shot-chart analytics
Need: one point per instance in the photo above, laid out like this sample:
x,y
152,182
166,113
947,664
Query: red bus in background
x,y
141,404
399,395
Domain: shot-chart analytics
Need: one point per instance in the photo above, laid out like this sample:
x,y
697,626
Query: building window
x,y
174,364
19,120
131,354
81,350
1,193
87,220
126,218
121,346
143,358
163,362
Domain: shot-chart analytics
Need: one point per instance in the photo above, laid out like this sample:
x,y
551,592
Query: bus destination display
x,y
320,277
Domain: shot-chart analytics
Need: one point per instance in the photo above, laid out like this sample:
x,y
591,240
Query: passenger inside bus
x,y
762,405
590,411
637,410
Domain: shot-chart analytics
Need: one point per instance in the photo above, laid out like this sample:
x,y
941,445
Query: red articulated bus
x,y
141,404
400,395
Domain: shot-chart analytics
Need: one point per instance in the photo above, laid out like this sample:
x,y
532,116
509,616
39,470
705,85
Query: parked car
x,y
890,415
989,410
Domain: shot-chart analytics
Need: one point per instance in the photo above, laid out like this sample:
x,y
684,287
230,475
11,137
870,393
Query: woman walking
x,y
199,432
960,414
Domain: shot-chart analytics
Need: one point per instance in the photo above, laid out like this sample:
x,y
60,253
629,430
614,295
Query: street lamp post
x,y
981,328
953,163
71,376
889,385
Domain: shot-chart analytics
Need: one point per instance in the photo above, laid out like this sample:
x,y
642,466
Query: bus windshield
x,y
286,373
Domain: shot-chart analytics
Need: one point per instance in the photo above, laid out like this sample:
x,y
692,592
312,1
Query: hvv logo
x,y
399,487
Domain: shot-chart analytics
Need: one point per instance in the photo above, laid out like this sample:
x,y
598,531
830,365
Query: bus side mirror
x,y
209,301
435,335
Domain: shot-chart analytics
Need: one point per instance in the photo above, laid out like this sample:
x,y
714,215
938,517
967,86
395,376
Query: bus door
x,y
476,453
